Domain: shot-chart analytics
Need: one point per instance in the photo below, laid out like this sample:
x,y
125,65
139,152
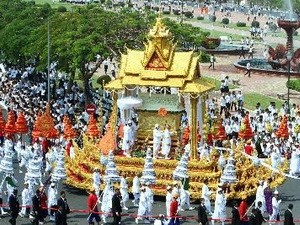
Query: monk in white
x,y
157,135
166,142
126,139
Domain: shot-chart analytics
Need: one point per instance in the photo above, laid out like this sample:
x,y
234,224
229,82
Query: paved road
x,y
289,192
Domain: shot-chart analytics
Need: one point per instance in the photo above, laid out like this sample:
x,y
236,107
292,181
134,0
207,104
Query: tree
x,y
15,28
77,37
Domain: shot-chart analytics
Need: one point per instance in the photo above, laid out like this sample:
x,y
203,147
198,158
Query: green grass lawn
x,y
251,99
217,83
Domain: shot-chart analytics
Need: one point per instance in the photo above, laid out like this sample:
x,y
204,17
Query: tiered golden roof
x,y
160,65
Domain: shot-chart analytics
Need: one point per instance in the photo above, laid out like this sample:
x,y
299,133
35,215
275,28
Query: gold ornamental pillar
x,y
194,102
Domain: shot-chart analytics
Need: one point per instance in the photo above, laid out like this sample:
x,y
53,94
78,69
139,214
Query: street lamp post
x,y
289,57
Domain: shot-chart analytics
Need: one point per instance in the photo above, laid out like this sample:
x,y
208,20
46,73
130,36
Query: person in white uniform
x,y
143,204
106,202
52,200
136,190
26,201
124,192
275,206
169,198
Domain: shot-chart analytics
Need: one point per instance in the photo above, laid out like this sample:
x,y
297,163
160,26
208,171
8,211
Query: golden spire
x,y
159,49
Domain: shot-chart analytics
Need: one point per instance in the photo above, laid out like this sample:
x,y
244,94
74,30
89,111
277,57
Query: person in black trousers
x,y
288,216
14,206
116,207
202,216
258,214
62,202
36,208
236,218
252,218
59,217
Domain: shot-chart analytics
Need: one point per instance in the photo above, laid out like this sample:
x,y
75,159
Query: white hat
x,y
169,188
52,184
156,125
220,189
276,192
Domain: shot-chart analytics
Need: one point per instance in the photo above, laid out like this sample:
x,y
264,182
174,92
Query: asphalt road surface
x,y
289,193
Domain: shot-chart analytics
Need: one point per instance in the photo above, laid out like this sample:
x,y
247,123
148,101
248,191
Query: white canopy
x,y
129,103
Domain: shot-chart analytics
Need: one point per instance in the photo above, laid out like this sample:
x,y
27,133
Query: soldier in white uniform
x,y
136,190
124,192
157,135
26,201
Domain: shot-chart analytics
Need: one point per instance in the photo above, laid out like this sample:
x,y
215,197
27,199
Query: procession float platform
x,y
80,170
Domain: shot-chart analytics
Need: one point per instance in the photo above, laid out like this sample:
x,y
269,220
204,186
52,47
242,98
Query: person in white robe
x,y
166,142
150,199
124,192
143,204
126,139
260,197
275,206
96,181
275,159
295,162
220,207
204,151
106,202
157,135
136,190
52,200
169,198
205,194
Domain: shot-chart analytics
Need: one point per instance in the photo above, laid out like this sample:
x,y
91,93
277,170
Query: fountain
x,y
277,62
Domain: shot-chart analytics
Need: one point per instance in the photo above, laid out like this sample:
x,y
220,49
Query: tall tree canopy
x,y
77,37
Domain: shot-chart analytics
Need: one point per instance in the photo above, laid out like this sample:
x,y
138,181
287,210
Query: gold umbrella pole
x,y
194,101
